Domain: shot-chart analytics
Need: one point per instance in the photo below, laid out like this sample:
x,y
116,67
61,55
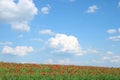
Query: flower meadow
x,y
17,71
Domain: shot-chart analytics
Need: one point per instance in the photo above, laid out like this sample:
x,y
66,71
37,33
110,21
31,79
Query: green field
x,y
14,71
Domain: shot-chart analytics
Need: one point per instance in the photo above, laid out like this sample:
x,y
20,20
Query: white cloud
x,y
92,9
6,43
115,59
47,32
109,52
21,27
17,14
64,61
49,61
112,59
18,50
108,59
65,44
111,31
91,51
46,9
28,62
119,30
37,39
115,38
119,4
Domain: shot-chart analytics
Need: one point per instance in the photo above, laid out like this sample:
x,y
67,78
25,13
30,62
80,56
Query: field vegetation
x,y
15,71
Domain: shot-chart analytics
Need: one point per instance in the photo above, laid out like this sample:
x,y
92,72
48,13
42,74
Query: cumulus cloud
x,y
115,38
17,14
92,9
18,50
111,31
66,44
46,9
47,32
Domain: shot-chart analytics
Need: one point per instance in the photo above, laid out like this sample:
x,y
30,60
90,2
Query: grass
x,y
14,71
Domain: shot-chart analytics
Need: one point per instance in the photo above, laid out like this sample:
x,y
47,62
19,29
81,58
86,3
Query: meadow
x,y
15,71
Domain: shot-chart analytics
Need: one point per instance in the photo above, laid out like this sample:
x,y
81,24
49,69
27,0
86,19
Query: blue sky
x,y
78,32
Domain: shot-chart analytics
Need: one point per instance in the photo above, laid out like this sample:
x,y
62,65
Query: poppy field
x,y
15,71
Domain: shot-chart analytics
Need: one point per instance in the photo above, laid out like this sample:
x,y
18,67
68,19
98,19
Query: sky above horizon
x,y
76,32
